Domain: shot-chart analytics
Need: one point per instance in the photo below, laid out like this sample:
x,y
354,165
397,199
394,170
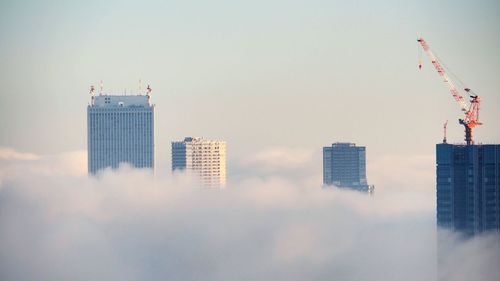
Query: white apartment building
x,y
206,158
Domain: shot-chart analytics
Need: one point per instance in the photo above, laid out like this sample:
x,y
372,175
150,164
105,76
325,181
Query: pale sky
x,y
257,74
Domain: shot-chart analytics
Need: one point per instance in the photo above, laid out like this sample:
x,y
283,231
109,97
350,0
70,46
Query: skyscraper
x,y
344,165
206,158
468,187
120,129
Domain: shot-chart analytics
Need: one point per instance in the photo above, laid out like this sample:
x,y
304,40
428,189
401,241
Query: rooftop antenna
x,y
101,86
420,63
445,125
92,91
149,90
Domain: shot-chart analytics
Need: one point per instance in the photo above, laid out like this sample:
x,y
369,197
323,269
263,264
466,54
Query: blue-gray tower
x,y
120,129
344,165
468,187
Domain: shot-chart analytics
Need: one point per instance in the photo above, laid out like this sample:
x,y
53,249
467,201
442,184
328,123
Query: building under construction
x,y
467,175
468,187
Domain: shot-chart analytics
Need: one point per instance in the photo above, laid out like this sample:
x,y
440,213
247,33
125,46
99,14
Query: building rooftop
x,y
197,139
344,144
120,100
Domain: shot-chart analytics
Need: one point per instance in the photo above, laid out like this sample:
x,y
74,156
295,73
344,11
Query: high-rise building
x,y
468,187
206,158
120,129
344,165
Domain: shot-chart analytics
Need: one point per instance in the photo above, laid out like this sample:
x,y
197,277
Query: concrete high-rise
x,y
468,187
206,158
120,129
344,165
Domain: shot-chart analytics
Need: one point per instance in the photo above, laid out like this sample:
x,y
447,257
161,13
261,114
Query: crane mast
x,y
445,125
471,111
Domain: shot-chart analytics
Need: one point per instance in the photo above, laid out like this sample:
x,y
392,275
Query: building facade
x,y
344,165
206,158
120,129
468,187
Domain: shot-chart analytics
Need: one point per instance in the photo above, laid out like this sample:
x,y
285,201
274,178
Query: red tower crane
x,y
471,111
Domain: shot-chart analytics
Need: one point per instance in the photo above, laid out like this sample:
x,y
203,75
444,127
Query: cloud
x,y
293,163
475,259
403,171
12,154
131,225
15,164
281,157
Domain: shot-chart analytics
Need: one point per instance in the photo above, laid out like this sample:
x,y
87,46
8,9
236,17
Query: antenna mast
x,y
445,125
101,86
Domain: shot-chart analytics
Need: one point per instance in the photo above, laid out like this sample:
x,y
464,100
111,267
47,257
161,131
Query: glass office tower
x,y
344,165
468,187
120,130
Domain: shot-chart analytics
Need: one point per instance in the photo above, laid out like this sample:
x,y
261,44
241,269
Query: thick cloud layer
x,y
58,224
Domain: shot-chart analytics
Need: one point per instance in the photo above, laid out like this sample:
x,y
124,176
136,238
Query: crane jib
x,y
471,111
